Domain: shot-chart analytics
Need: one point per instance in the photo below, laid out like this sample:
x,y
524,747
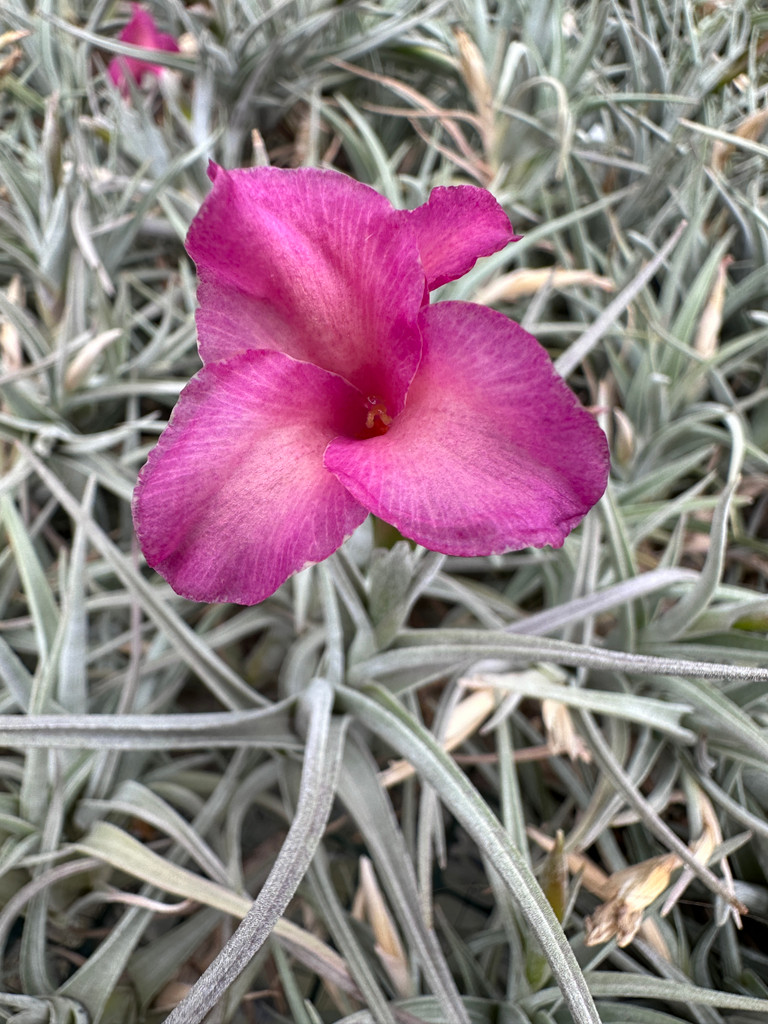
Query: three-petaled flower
x,y
331,388
141,30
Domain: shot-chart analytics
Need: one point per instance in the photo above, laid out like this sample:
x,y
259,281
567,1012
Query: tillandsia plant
x,y
168,768
331,388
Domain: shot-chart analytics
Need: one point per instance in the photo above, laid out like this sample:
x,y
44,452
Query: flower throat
x,y
377,420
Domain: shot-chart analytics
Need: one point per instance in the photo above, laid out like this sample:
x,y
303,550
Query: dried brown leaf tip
x,y
562,737
81,365
629,892
370,906
9,61
519,284
708,330
464,721
11,357
750,128
475,77
594,880
710,837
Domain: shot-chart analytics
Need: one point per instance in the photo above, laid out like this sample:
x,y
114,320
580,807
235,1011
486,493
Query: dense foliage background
x,y
165,762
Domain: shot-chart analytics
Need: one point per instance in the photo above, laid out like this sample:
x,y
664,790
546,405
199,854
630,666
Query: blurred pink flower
x,y
141,30
331,388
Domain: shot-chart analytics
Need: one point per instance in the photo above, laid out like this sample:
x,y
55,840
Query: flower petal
x,y
456,226
234,498
312,264
141,30
492,451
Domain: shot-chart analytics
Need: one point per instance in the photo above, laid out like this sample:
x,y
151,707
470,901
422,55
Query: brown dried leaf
x,y
80,367
595,880
7,38
466,718
519,284
370,906
752,127
475,77
170,996
708,331
562,737
11,357
702,849
260,154
624,437
421,103
631,891
8,63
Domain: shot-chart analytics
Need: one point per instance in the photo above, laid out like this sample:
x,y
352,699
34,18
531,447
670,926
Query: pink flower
x,y
141,30
331,389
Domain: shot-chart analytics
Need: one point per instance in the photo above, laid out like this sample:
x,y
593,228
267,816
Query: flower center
x,y
377,420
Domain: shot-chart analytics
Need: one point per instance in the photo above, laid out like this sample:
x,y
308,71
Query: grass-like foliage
x,y
574,825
